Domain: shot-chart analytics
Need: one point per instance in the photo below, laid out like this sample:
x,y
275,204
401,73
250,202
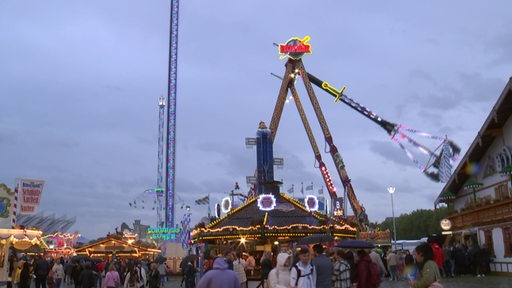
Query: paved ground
x,y
458,282
462,282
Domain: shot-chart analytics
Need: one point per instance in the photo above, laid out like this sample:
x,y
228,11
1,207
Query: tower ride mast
x,y
160,169
171,116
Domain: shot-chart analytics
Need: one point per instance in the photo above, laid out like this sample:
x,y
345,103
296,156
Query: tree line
x,y
415,225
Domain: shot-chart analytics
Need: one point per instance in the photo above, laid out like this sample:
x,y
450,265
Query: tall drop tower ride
x,y
171,115
160,170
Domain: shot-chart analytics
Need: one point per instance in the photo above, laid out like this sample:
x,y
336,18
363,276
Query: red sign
x,y
295,48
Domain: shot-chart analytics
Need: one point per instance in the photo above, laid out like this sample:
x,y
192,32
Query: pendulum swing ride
x,y
438,167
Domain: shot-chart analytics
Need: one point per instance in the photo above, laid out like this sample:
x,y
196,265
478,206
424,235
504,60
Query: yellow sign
x,y
23,244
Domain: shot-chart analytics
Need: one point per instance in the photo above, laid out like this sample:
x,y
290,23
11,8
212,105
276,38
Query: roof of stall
x,y
289,218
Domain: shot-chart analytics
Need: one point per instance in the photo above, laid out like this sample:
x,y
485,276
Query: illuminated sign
x,y
164,233
446,224
338,207
226,205
311,202
295,48
266,202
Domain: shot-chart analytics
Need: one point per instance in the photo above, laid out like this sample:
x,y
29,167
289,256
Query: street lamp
x,y
391,190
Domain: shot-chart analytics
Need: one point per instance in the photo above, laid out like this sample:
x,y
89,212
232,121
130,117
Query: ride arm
x,y
338,95
323,169
333,150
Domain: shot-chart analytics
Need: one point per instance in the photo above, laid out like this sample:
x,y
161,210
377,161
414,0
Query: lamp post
x,y
391,190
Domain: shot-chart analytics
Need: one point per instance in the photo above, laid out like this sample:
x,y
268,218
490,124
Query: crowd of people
x,y
305,267
86,273
340,268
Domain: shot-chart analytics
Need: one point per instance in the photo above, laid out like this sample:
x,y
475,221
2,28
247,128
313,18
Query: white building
x,y
482,197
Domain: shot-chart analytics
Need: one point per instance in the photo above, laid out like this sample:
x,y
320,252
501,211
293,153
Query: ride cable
x,y
437,168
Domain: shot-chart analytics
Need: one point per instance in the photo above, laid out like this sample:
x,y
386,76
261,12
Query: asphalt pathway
x,y
457,282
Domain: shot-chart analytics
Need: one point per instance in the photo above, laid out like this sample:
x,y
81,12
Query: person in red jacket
x,y
364,276
438,256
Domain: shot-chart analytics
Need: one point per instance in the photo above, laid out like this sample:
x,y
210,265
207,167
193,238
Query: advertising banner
x,y
30,192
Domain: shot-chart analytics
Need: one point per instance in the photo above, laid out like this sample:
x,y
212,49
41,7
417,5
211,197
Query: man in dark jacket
x,y
41,270
323,267
87,277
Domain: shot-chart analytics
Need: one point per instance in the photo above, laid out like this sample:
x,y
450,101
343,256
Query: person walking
x,y
142,274
303,273
392,265
364,271
239,268
132,278
87,277
219,276
112,279
68,273
323,267
25,275
58,272
429,271
153,276
279,277
17,274
250,263
341,271
77,271
162,270
266,266
190,274
41,270
378,260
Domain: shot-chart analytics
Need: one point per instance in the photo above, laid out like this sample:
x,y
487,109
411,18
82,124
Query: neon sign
x,y
164,233
226,205
295,48
266,202
311,202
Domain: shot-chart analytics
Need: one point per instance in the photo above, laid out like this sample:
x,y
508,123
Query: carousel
x,y
269,219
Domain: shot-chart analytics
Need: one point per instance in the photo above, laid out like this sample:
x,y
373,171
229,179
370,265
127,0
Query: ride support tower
x,y
171,116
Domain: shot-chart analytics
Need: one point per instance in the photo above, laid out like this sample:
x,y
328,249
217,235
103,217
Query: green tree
x,y
416,225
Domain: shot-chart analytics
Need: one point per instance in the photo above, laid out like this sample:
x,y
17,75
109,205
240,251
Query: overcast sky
x,y
80,82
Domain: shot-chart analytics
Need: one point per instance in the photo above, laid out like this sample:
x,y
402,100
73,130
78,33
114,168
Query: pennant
x,y
309,187
445,165
290,190
203,201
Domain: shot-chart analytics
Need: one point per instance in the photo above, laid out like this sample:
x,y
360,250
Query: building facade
x,y
480,188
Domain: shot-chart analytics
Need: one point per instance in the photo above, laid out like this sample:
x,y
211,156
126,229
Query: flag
x,y
445,165
321,191
203,201
302,188
309,187
290,190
